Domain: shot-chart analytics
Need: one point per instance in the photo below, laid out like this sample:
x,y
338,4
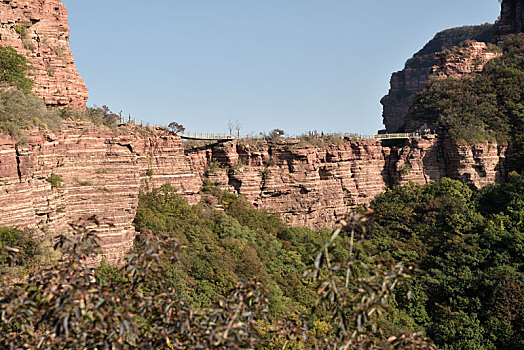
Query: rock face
x,y
470,57
511,19
317,185
39,30
101,172
407,82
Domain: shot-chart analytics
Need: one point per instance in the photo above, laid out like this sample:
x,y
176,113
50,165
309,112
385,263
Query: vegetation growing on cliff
x,y
140,305
20,109
13,69
483,106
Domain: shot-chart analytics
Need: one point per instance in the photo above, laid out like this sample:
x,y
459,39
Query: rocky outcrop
x,y
57,179
511,19
470,57
463,60
407,82
39,30
317,185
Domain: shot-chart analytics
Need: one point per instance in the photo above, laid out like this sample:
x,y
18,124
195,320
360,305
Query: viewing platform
x,y
205,136
399,136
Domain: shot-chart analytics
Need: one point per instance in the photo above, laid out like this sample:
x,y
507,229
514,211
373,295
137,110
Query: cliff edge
x,y
407,82
57,179
39,30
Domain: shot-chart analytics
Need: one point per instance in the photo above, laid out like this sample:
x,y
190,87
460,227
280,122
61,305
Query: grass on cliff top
x,y
20,109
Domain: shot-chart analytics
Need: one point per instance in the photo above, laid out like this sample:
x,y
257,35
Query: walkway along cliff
x,y
56,179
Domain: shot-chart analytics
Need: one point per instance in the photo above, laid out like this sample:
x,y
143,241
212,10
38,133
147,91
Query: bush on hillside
x,y
137,305
13,69
101,116
20,111
469,247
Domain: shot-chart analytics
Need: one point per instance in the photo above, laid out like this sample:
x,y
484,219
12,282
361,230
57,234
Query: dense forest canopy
x,y
465,246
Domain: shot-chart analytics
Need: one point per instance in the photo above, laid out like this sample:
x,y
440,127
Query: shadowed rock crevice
x,y
18,169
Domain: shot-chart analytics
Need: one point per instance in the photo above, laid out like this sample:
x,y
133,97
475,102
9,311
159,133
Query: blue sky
x,y
297,65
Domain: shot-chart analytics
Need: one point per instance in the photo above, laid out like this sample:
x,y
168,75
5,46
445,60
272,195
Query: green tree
x,y
14,68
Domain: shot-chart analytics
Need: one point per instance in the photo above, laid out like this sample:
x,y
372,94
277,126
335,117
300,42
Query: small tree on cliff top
x,y
176,127
13,69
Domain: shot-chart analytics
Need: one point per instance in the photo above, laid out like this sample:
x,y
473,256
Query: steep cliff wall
x,y
317,185
407,82
101,174
103,171
39,30
511,19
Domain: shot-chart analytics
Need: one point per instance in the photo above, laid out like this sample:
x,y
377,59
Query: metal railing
x,y
187,135
396,136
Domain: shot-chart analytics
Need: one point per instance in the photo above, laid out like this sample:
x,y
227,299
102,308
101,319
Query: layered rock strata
x,y
39,30
470,57
58,179
407,82
317,185
101,172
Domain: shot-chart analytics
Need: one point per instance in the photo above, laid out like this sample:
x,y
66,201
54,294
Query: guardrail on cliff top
x,y
186,135
406,135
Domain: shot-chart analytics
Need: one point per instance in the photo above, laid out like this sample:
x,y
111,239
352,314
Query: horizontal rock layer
x,y
407,82
102,172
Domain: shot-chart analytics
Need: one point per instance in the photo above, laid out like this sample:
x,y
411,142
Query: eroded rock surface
x,y
470,57
407,82
511,19
39,30
102,173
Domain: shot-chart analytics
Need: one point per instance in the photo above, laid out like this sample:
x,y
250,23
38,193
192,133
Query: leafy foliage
x,y
101,116
55,180
14,68
470,247
66,306
20,111
221,274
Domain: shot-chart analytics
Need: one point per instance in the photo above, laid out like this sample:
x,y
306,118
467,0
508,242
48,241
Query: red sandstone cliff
x,y
407,82
39,30
103,172
470,57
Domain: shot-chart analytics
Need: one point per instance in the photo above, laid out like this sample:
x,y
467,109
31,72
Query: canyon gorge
x,y
102,172
58,178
